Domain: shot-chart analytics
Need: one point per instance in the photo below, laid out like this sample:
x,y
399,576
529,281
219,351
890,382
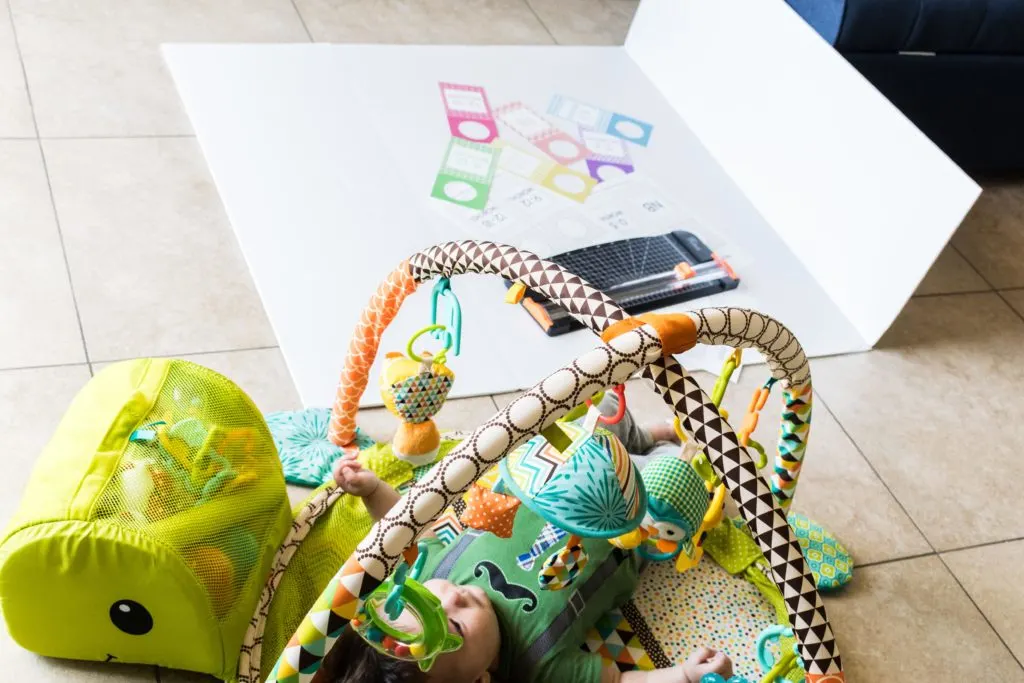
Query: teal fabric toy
x,y
306,454
677,500
830,562
591,488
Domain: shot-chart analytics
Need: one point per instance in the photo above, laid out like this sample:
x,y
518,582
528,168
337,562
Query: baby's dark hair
x,y
353,660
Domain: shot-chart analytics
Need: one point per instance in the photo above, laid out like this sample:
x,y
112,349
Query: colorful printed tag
x,y
469,113
553,141
466,174
601,120
609,157
544,172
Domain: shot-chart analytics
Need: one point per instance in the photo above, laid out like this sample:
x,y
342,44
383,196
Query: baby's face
x,y
470,615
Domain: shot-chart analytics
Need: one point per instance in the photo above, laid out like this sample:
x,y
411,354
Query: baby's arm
x,y
352,478
378,497
703,661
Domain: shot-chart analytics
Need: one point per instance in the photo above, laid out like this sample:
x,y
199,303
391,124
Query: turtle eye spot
x,y
131,617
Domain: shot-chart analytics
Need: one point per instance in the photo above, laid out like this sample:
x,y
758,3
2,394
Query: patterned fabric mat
x,y
673,614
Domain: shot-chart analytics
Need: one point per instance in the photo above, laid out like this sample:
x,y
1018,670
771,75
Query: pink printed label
x,y
556,143
469,113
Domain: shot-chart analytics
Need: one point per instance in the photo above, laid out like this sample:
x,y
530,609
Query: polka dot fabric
x,y
704,606
490,511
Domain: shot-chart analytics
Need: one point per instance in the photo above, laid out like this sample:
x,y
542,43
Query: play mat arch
x,y
646,344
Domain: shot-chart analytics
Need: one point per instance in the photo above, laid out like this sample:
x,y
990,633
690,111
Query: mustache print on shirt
x,y
511,591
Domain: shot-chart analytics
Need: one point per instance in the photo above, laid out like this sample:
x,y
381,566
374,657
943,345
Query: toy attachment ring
x,y
775,670
375,620
620,392
439,358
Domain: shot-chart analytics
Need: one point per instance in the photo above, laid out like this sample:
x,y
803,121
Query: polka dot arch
x,y
604,366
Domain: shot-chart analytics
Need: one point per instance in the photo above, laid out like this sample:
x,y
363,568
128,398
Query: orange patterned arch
x,y
362,351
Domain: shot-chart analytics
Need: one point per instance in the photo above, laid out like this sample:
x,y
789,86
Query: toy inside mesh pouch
x,y
646,344
147,528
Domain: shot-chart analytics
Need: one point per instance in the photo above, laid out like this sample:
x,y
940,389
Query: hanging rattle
x,y
384,619
414,387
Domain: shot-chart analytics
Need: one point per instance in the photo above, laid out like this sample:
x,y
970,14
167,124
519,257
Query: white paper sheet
x,y
324,157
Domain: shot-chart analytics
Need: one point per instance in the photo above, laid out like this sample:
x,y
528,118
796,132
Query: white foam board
x,y
324,156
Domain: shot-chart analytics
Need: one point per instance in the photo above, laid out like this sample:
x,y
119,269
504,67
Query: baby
x,y
512,630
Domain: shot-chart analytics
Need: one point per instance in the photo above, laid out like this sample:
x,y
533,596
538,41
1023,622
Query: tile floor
x,y
113,244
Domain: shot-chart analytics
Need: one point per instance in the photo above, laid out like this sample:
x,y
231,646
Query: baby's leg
x,y
660,449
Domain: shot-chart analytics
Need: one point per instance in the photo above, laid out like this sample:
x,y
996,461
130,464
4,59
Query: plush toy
x,y
586,486
414,388
680,511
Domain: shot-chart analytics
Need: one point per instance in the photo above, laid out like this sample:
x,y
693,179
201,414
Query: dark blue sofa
x,y
954,67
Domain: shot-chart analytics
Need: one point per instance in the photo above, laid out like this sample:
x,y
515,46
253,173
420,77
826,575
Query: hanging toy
x,y
580,479
414,388
378,619
776,671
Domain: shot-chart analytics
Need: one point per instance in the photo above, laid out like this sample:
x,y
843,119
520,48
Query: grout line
x,y
49,185
302,21
926,539
870,464
541,21
190,353
998,292
981,612
1007,302
97,361
45,367
968,261
892,560
934,551
984,544
932,295
155,136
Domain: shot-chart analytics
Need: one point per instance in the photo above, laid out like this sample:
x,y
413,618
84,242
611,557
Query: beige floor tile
x,y
36,306
910,621
991,576
459,413
951,273
837,487
16,113
992,236
98,71
1016,299
260,373
503,22
936,410
31,405
586,22
156,267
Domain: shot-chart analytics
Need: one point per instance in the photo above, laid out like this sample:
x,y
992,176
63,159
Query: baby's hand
x,y
351,478
706,661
